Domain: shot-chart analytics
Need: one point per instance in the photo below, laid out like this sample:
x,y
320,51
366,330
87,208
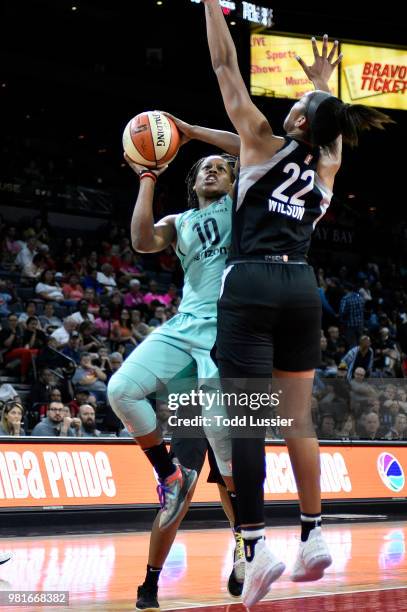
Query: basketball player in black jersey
x,y
269,313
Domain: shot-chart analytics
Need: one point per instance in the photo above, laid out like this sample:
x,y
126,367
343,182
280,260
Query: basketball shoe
x,y
260,573
312,559
173,492
147,599
236,578
4,557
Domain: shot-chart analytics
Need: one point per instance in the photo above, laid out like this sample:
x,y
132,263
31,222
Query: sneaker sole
x,y
268,578
188,484
148,609
315,570
234,587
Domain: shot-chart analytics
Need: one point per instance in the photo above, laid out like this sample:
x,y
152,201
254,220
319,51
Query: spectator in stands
x,y
87,417
48,320
347,429
11,344
73,349
81,397
33,337
73,290
360,356
399,428
371,429
62,334
48,289
351,313
336,344
91,377
41,389
365,292
83,313
30,311
327,426
5,299
139,327
115,305
103,324
171,295
89,341
387,356
55,423
109,258
10,247
33,269
116,361
327,366
103,361
159,317
93,263
91,282
122,331
12,417
54,395
129,267
27,252
106,278
134,297
93,302
153,294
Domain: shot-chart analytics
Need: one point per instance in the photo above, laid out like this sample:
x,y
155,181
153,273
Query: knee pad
x,y
128,401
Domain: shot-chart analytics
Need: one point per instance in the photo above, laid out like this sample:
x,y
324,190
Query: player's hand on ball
x,y
185,129
139,169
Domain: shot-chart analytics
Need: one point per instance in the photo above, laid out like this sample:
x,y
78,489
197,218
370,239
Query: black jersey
x,y
278,203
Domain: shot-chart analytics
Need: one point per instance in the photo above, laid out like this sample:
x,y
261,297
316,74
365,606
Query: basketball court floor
x,y
102,570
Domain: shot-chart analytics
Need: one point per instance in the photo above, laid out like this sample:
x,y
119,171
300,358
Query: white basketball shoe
x,y
313,558
260,573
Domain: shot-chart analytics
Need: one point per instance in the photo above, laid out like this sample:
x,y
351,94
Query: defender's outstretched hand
x,y
324,64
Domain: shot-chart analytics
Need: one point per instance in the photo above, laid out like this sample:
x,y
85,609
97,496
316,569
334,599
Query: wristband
x,y
149,174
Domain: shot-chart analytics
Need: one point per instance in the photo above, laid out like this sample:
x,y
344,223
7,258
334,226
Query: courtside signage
x,y
50,475
374,76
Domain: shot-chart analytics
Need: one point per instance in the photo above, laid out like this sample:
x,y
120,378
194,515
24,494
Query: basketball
x,y
151,139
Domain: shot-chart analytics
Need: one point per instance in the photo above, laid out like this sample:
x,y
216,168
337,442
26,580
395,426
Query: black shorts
x,y
269,315
191,453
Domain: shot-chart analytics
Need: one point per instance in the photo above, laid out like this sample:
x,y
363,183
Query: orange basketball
x,y
151,139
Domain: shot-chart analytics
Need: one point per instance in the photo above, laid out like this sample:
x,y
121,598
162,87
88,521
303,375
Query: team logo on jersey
x,y
390,471
308,159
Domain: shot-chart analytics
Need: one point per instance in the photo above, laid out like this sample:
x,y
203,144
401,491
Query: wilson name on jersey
x,y
278,203
203,245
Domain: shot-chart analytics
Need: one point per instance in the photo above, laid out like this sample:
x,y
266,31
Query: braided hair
x,y
193,173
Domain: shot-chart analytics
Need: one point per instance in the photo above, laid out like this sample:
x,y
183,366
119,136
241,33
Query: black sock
x,y
152,576
160,459
252,535
233,501
308,523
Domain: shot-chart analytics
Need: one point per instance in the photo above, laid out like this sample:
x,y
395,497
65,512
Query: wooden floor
x,y
101,571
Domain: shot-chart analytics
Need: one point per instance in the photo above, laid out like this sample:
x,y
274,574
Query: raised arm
x,y
147,236
257,140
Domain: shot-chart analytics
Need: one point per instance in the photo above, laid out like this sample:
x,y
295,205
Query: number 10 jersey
x,y
203,245
278,203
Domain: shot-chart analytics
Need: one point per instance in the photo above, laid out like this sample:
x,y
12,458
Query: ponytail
x,y
329,117
356,118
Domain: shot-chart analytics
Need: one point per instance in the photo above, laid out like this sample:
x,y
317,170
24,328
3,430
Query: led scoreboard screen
x,y
374,76
275,71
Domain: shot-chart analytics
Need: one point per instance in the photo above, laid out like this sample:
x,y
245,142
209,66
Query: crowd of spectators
x,y
73,307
